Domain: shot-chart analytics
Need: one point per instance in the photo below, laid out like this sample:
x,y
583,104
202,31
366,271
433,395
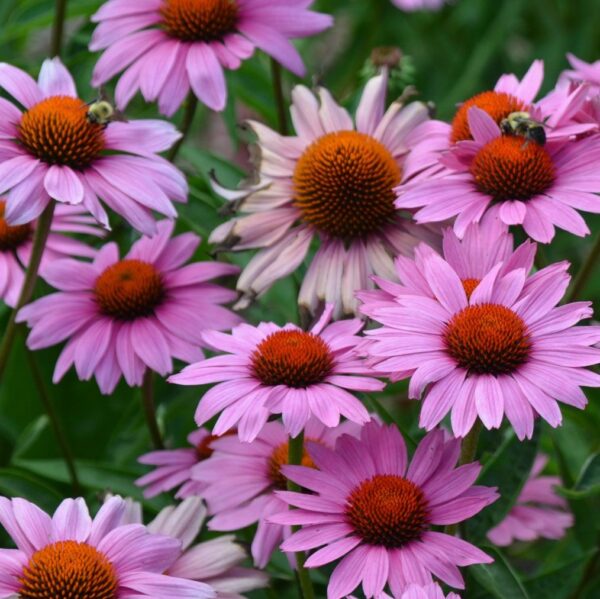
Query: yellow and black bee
x,y
102,112
521,123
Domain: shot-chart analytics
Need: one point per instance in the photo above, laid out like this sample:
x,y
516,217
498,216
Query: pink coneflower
x,y
519,181
376,511
332,182
256,470
102,557
53,150
583,71
215,562
170,46
483,246
509,95
503,347
174,467
417,591
538,513
121,317
414,5
282,370
16,243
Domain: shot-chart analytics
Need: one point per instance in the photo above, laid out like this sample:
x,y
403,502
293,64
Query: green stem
x,y
588,575
191,104
582,277
296,451
150,409
468,451
279,97
58,28
59,433
39,243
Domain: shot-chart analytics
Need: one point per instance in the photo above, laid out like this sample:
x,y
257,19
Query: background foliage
x,y
456,53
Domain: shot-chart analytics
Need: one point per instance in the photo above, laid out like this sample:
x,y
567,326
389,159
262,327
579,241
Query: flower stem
x,y
468,451
581,279
59,433
188,118
150,409
279,97
58,27
296,451
39,243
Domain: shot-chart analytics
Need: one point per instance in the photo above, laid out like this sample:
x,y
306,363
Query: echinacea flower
x,y
54,151
501,347
174,466
374,510
509,95
331,181
170,46
121,317
102,557
483,246
270,369
215,562
16,243
539,511
240,478
581,71
414,5
417,591
521,182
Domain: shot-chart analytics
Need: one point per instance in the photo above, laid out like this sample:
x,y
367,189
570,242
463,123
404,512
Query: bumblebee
x,y
521,123
102,112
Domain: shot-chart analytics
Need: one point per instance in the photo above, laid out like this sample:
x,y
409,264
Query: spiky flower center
x,y
68,570
12,237
488,339
204,449
511,168
469,286
58,131
129,289
292,358
387,510
279,458
200,20
344,185
497,104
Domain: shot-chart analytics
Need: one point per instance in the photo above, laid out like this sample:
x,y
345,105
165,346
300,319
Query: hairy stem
x,y
296,450
59,433
39,243
191,104
150,409
586,270
468,451
58,28
276,74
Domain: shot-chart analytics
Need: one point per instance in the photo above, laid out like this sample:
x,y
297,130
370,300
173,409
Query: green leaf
x,y
508,469
588,482
17,483
499,578
559,582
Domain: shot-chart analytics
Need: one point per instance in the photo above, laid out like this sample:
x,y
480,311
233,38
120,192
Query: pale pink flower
x,y
539,511
374,510
121,317
106,557
215,562
53,150
414,5
240,478
556,111
501,347
332,181
174,467
416,591
270,369
167,47
519,181
16,243
581,71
